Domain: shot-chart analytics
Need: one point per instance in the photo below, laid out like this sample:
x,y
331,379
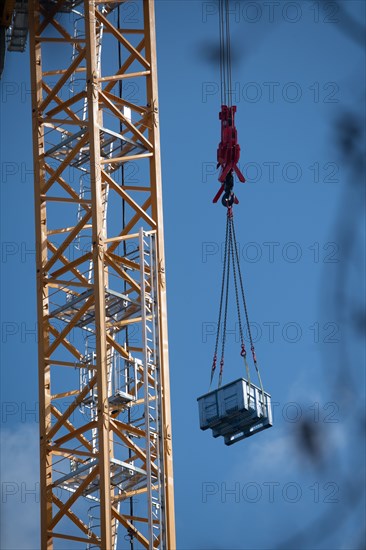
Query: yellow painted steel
x,y
92,286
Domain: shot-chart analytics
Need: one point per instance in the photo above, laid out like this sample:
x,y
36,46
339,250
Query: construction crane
x,y
106,476
106,459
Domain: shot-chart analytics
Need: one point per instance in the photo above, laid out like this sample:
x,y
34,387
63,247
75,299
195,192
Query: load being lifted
x,y
238,409
235,411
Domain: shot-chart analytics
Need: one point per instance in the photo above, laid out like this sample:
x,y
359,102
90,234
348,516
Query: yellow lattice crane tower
x,y
105,427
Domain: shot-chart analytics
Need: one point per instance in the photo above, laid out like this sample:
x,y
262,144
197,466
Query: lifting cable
x,y
225,53
228,156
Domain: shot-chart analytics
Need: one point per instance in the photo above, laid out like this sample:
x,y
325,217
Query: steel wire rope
x,y
222,61
228,53
225,53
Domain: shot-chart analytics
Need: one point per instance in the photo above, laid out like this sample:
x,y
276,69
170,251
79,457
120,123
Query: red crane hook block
x,y
228,152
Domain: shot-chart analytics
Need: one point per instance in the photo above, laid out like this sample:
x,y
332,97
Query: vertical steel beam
x,y
44,381
99,270
157,211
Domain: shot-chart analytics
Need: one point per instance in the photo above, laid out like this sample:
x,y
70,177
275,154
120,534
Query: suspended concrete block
x,y
235,411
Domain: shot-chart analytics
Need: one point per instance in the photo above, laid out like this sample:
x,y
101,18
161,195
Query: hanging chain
x,y
243,351
226,302
221,301
246,314
232,260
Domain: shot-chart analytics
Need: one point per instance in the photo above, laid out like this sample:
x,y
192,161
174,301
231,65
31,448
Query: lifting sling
x,y
238,409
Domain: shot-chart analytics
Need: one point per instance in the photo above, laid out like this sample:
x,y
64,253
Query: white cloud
x,y
266,457
20,488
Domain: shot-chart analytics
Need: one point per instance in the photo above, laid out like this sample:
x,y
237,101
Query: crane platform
x,y
112,146
235,411
126,476
118,308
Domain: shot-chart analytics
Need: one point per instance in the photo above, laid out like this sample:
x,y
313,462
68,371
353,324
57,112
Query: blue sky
x,y
296,71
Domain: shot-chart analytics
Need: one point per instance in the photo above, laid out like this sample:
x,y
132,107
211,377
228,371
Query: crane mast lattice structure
x,y
105,427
